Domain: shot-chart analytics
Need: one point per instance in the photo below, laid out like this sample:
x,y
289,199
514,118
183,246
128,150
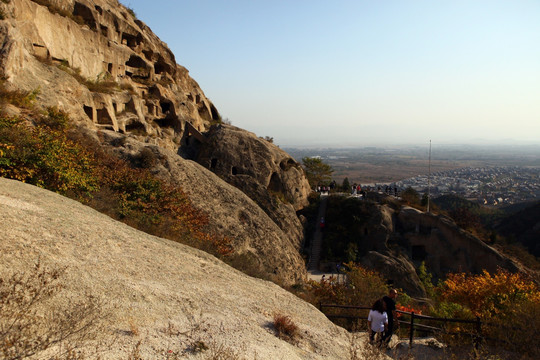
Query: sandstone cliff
x,y
410,237
171,298
137,85
96,61
267,174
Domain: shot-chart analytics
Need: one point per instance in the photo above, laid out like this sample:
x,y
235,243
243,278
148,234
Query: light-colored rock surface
x,y
152,283
272,251
267,174
230,151
102,41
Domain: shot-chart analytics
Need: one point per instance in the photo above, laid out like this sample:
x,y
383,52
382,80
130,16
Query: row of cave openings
x,y
168,118
135,67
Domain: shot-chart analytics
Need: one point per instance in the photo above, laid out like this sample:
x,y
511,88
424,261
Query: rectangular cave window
x,y
89,112
213,163
103,117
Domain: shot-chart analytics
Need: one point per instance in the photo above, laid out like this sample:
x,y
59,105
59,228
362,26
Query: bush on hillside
x,y
410,196
285,328
364,286
29,325
44,156
22,99
45,153
489,295
508,303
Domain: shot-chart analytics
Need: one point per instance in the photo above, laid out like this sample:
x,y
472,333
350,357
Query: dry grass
x,y
35,319
285,328
22,99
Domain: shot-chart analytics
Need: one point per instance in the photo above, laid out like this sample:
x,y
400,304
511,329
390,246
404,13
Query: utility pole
x,y
429,178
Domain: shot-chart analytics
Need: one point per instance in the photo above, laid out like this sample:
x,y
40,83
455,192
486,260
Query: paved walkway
x,y
316,245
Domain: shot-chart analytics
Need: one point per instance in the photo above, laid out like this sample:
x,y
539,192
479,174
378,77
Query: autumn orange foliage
x,y
407,308
363,287
488,295
508,304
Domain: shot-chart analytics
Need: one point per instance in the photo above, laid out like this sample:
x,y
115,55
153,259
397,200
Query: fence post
x,y
478,332
411,330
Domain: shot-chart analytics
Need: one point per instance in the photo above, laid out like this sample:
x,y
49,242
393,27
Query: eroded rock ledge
x,y
136,87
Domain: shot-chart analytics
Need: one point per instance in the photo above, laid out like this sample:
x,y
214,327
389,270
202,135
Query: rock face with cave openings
x,y
95,60
122,86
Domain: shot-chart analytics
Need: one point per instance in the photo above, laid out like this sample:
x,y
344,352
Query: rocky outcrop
x,y
161,298
267,174
96,61
523,227
445,247
397,268
395,240
415,237
114,77
271,251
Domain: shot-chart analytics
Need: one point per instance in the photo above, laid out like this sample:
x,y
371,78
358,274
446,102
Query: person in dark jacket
x,y
390,303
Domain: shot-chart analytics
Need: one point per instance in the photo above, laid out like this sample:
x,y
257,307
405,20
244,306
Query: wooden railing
x,y
476,334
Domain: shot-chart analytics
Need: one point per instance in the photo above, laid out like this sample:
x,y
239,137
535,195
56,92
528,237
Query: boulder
x,y
396,269
267,174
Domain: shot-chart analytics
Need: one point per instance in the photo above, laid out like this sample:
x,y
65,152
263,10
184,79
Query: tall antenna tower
x,y
429,178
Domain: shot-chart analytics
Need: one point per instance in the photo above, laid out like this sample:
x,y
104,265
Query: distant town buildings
x,y
485,185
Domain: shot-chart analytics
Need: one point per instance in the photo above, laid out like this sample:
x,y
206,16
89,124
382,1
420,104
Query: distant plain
x,y
367,165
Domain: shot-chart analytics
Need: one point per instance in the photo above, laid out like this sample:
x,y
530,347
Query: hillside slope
x,y
524,227
152,284
122,86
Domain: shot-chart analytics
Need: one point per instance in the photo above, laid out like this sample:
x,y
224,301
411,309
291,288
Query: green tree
x,y
317,171
346,185
410,196
426,278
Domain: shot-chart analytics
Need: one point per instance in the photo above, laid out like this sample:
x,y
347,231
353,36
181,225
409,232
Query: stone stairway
x,y
316,245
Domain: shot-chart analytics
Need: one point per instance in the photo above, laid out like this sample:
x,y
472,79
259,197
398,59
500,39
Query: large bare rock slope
x,y
153,285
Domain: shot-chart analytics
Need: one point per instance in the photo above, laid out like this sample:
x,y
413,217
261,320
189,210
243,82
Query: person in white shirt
x,y
377,321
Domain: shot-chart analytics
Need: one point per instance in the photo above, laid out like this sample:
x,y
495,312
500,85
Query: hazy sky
x,y
362,72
